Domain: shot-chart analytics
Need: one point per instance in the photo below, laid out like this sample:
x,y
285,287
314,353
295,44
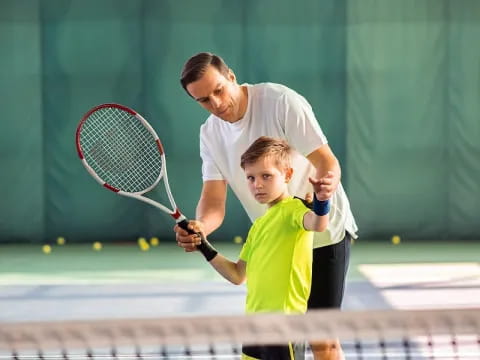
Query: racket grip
x,y
207,250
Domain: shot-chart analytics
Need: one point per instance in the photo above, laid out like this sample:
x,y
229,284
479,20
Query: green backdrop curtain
x,y
394,84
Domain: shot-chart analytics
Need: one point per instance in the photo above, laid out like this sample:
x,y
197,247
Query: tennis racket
x,y
123,153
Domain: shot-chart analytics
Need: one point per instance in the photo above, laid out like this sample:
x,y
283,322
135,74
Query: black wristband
x,y
320,207
207,250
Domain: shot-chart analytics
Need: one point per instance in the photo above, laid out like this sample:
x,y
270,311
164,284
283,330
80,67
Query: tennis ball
x,y
144,246
97,246
395,239
154,241
237,240
60,240
141,240
47,249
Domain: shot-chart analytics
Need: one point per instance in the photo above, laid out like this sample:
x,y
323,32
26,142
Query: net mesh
x,y
421,334
120,149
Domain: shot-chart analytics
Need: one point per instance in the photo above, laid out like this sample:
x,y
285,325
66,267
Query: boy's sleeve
x,y
298,213
245,252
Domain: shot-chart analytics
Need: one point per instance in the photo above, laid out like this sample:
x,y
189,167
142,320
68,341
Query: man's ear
x,y
288,174
231,75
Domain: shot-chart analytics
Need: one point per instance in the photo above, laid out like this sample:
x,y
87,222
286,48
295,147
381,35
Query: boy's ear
x,y
288,174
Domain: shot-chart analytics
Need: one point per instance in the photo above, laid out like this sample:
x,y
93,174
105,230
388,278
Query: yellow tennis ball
x,y
47,249
141,240
60,240
154,241
237,240
97,246
395,239
144,246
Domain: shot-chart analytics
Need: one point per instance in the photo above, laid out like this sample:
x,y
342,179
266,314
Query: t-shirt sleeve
x,y
245,252
301,127
297,214
210,170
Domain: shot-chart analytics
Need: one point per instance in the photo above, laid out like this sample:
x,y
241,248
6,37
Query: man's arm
x,y
210,214
325,161
211,206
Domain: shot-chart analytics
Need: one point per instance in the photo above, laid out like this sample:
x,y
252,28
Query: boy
x,y
277,256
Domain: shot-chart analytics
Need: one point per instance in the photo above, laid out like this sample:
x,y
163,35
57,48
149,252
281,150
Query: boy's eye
x,y
267,176
218,91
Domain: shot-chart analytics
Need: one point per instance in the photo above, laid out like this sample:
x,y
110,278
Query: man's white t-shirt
x,y
276,111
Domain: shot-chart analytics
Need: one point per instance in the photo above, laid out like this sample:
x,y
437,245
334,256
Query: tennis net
x,y
386,334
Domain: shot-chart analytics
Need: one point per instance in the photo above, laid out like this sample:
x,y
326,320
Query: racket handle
x,y
208,251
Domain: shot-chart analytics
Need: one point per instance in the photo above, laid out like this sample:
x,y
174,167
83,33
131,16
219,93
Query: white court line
x,y
424,285
108,277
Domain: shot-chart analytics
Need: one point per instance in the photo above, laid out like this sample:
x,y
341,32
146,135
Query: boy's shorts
x,y
274,352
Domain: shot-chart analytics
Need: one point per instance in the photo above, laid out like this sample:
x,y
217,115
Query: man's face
x,y
219,95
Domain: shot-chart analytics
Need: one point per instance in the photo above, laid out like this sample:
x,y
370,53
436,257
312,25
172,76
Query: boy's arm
x,y
313,222
233,272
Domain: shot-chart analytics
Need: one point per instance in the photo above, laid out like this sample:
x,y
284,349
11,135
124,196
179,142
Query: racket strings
x,y
121,150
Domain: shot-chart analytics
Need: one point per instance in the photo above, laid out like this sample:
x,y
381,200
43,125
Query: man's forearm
x,y
211,206
211,214
324,161
330,165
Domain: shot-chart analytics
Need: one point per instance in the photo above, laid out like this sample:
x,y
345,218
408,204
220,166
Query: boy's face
x,y
266,181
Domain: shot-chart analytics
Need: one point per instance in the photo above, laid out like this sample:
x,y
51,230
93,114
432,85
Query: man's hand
x,y
324,161
188,241
325,186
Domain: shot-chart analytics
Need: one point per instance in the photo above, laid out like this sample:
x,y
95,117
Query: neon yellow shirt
x,y
278,253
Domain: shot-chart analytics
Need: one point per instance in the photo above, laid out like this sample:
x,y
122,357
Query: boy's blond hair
x,y
277,149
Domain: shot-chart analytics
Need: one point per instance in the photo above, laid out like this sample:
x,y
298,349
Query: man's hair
x,y
277,149
196,66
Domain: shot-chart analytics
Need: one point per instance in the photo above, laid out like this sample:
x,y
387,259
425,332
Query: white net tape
x,y
422,334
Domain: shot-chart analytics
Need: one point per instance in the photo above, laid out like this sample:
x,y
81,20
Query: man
x,y
239,114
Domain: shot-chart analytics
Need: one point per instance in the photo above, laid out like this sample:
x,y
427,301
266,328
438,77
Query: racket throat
x,y
178,216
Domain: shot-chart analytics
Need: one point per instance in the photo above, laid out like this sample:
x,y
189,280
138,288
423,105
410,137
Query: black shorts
x,y
275,352
330,265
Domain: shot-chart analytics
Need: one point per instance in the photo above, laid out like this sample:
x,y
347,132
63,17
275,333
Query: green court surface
x,y
122,281
74,263
76,282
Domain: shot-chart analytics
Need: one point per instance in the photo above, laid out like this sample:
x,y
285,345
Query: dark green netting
x,y
394,84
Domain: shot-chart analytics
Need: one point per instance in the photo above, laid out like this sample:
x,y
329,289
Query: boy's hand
x,y
308,198
188,241
323,187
